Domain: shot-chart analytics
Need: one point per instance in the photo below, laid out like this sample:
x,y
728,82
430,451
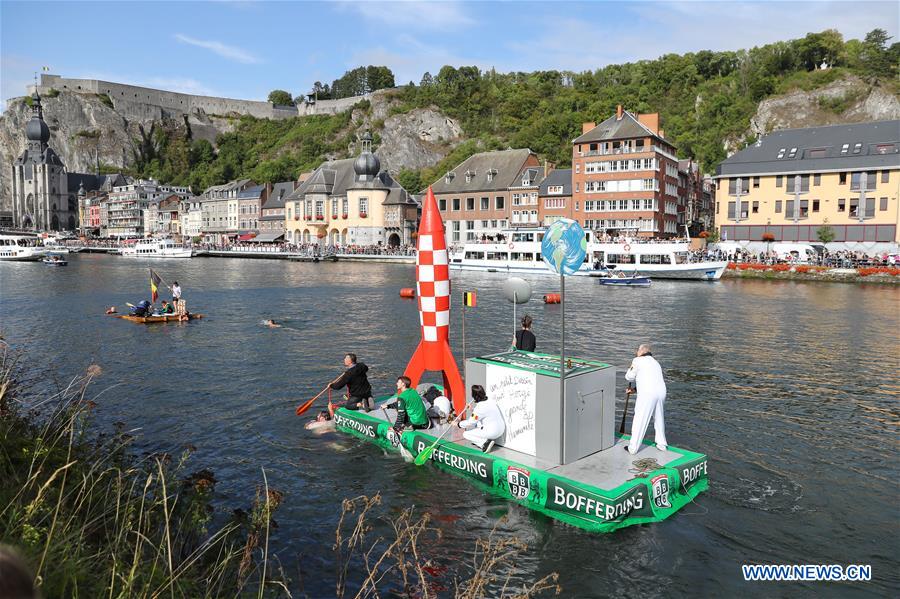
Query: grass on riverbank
x,y
93,520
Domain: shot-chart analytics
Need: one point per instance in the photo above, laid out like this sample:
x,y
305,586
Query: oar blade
x,y
303,408
424,456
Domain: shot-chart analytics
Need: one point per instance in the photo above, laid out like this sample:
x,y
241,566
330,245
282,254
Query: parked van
x,y
798,253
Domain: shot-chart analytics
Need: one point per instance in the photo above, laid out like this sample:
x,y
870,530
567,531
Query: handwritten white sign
x,y
514,391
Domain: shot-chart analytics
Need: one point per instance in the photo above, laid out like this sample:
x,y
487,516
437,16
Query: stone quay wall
x,y
129,95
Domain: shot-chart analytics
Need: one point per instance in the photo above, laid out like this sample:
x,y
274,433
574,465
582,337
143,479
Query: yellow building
x,y
791,183
351,202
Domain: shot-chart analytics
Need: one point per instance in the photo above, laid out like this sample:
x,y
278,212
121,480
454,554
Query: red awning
x,y
246,237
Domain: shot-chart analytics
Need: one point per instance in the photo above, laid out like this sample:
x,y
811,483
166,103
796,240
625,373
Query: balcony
x,y
621,151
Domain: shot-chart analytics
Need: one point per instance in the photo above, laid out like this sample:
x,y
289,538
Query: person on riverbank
x,y
410,407
359,391
486,424
525,339
647,374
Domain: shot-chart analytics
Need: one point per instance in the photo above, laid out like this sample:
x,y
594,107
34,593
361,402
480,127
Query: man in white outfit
x,y
646,372
486,424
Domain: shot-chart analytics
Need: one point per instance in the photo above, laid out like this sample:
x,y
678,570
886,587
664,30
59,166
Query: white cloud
x,y
425,14
230,52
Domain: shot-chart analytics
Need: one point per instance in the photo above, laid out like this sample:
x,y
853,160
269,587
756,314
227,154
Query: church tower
x,y
40,184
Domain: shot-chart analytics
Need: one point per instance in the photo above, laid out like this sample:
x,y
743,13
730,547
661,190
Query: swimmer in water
x,y
271,324
323,423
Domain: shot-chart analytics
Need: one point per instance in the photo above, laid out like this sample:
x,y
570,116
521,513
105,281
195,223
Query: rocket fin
x,y
416,366
453,383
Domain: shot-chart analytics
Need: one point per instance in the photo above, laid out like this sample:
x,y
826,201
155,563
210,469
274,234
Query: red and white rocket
x,y
433,290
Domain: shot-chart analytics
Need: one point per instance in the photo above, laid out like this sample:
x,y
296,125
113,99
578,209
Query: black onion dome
x,y
367,165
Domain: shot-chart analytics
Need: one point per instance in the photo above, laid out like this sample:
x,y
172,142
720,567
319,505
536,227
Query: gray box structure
x,y
539,422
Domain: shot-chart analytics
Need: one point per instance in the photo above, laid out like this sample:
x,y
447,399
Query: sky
x,y
244,49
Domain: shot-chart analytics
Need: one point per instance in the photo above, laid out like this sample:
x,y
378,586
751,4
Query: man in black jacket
x,y
358,388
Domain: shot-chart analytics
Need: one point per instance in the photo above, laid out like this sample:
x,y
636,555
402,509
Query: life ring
x,y
627,248
511,245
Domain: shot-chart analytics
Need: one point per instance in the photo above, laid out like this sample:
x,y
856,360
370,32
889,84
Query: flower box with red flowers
x,y
345,215
320,217
363,214
334,215
768,237
297,217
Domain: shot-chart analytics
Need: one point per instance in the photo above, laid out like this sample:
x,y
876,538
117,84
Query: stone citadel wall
x,y
131,96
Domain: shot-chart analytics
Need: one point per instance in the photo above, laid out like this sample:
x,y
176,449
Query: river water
x,y
790,388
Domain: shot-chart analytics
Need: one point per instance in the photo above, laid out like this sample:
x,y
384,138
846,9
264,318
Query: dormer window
x,y
470,175
781,153
448,178
490,174
793,153
844,148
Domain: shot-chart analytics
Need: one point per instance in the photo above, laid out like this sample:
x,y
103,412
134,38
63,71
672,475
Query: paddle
x,y
625,411
304,407
426,453
407,456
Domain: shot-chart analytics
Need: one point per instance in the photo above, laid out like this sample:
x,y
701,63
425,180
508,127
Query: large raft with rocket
x,y
560,454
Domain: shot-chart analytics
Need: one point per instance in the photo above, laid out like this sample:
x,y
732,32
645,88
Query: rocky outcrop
x,y
846,100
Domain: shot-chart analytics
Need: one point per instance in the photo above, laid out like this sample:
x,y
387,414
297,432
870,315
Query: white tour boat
x,y
21,248
156,248
520,252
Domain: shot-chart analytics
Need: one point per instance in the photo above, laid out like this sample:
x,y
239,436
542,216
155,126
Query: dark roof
x,y
94,182
819,149
562,177
280,192
251,192
506,166
628,127
529,176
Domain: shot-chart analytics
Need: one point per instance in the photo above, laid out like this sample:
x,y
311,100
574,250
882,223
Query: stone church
x,y
44,194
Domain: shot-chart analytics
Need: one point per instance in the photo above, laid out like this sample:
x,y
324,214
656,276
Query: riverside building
x,y
793,184
488,192
625,177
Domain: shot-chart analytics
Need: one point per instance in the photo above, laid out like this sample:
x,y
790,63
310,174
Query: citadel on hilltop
x,y
187,103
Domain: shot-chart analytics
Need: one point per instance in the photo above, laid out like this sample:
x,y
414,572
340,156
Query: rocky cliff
x,y
846,100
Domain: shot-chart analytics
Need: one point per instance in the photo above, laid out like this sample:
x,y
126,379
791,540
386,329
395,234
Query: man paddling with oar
x,y
359,391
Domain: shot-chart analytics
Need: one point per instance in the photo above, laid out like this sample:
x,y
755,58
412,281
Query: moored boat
x,y
156,248
54,260
520,252
20,248
623,280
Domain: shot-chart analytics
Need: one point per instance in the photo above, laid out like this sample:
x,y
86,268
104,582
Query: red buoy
x,y
408,292
551,298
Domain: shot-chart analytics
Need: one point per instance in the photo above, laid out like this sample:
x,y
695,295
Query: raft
x,y
155,318
603,492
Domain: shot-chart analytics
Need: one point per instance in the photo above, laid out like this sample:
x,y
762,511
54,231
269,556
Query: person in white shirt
x,y
176,292
486,424
646,372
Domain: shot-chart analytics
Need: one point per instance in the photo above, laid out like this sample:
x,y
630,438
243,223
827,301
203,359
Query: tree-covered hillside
x,y
703,99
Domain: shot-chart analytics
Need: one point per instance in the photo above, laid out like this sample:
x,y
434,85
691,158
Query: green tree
x,y
280,98
427,80
875,58
410,180
825,233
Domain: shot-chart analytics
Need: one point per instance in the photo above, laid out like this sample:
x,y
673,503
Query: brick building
x,y
555,197
625,177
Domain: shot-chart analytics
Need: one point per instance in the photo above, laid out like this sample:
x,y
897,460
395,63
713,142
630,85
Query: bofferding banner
x,y
514,391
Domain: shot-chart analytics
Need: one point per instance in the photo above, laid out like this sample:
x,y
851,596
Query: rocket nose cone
x,y
431,216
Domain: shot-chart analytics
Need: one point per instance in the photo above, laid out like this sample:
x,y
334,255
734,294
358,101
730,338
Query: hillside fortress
x,y
130,95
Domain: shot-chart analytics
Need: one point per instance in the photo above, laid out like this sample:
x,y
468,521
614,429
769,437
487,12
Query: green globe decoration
x,y
564,246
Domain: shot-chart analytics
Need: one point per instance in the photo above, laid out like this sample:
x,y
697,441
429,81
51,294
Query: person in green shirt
x,y
410,407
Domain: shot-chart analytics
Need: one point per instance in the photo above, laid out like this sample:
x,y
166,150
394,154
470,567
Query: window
x,y
576,186
816,153
792,181
755,182
804,208
731,210
793,153
576,206
842,180
789,209
844,148
883,204
456,203
448,178
655,259
755,207
470,203
777,206
781,153
554,189
857,148
870,207
499,203
815,205
577,168
817,180
442,205
854,207
485,203
778,179
490,174
885,176
842,204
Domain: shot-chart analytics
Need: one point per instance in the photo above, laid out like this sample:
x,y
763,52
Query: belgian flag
x,y
469,299
154,286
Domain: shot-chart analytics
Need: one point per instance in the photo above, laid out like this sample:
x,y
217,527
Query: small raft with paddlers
x,y
155,318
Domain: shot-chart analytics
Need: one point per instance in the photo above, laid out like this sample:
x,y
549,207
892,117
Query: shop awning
x,y
268,237
246,237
